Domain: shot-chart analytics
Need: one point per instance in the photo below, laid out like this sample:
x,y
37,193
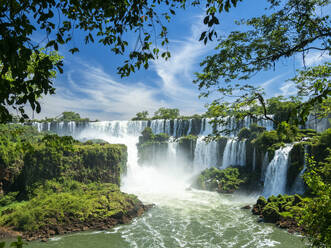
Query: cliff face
x,y
65,185
62,157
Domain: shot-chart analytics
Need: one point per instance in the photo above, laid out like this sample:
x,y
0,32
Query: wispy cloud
x,y
176,74
315,58
93,92
269,82
288,89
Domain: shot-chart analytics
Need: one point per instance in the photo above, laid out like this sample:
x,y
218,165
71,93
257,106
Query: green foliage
x,y
291,27
317,216
72,116
15,140
57,157
166,113
26,74
223,181
244,133
266,139
284,111
149,137
254,128
320,146
57,21
296,162
27,160
66,201
187,138
314,83
281,207
287,132
141,116
8,199
18,244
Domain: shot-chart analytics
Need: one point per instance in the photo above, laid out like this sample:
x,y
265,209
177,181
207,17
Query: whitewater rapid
x,y
182,217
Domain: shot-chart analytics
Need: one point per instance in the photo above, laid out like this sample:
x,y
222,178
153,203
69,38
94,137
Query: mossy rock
x,y
270,213
261,201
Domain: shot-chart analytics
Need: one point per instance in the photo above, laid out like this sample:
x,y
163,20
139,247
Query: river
x,y
182,217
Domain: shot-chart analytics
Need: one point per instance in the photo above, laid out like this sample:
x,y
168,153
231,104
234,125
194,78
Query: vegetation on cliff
x,y
284,210
222,181
54,185
58,206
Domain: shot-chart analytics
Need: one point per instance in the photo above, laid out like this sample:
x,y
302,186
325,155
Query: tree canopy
x,y
141,116
17,88
166,113
293,28
104,21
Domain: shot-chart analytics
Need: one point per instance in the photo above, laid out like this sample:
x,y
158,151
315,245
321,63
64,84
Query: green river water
x,y
187,218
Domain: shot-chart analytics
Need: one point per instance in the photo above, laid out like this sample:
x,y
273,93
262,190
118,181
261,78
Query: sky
x,y
90,85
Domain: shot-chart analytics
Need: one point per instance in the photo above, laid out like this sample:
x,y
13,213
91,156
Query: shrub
x,y
223,181
244,133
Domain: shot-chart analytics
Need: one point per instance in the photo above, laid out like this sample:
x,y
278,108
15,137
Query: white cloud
x,y
176,74
268,83
91,91
288,89
315,58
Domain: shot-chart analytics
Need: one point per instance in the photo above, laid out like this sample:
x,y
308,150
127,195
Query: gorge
x,y
186,217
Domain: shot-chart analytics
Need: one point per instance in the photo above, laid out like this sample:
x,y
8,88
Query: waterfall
x,y
207,127
265,163
205,154
234,153
181,127
276,172
127,132
299,185
157,126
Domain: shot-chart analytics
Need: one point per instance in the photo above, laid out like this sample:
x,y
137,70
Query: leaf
x,y
203,34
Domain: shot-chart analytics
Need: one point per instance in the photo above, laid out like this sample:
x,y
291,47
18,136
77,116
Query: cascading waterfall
x,y
276,173
265,163
234,153
181,217
205,154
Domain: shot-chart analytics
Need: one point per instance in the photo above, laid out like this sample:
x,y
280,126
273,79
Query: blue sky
x,y
91,86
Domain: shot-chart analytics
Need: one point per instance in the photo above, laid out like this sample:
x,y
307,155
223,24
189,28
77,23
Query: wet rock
x,y
246,207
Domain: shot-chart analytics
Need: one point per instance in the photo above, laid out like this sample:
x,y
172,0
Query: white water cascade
x,y
181,217
276,173
205,154
234,153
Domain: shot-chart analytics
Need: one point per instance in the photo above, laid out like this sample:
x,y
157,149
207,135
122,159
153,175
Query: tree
x,y
166,113
293,28
314,83
71,116
317,216
30,85
141,116
104,21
